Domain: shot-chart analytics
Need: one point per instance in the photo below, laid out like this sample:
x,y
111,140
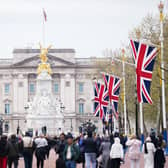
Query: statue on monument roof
x,y
43,56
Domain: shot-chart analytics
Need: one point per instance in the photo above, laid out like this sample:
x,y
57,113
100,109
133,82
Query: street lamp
x,y
1,126
71,126
160,7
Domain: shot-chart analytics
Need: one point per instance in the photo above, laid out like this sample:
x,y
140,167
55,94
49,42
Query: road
x,y
50,163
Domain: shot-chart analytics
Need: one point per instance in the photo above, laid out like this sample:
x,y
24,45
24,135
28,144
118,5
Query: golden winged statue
x,y
43,56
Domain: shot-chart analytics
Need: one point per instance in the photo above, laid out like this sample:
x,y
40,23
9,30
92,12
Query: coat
x,y
74,152
116,150
4,148
159,159
13,150
134,149
149,157
105,151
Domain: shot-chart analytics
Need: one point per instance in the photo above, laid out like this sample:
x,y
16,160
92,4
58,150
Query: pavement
x,y
50,163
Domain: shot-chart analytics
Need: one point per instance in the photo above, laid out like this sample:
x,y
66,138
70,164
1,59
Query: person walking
x,y
82,150
4,149
71,152
134,151
28,149
40,151
59,149
105,151
90,147
149,150
159,158
116,153
13,154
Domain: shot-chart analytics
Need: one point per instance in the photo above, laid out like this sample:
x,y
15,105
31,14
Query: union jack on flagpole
x,y
144,57
113,86
101,100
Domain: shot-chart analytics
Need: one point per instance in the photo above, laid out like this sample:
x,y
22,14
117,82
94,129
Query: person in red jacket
x,y
4,149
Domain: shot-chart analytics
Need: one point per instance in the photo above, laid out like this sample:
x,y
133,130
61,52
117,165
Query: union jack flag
x,y
101,100
144,57
113,85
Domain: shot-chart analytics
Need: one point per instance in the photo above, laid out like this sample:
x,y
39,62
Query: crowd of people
x,y
88,149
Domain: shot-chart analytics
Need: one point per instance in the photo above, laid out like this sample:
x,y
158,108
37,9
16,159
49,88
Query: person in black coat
x,y
91,151
59,149
13,155
4,149
159,158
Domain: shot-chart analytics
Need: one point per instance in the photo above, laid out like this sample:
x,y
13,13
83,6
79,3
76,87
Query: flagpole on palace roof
x,y
124,98
161,6
43,27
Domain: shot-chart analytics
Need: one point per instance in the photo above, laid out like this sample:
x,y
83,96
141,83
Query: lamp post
x,y
18,128
160,7
1,125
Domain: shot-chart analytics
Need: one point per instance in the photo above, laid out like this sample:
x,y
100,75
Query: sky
x,y
88,26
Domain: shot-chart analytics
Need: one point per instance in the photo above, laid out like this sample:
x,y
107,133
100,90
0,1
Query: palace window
x,y
81,87
32,87
7,88
6,127
81,108
56,88
7,108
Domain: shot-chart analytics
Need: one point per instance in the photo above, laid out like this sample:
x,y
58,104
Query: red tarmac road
x,y
51,162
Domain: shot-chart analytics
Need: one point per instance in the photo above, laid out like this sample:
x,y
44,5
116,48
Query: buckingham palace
x,y
72,84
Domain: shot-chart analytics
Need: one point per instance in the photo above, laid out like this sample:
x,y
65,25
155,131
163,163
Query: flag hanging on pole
x,y
113,86
45,15
101,100
144,57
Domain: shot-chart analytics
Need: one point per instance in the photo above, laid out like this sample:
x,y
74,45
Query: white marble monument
x,y
45,109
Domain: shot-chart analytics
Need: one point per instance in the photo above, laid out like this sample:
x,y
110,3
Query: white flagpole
x,y
43,31
141,121
125,108
161,6
138,34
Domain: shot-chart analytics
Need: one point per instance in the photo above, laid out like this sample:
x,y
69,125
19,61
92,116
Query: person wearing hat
x,y
149,150
71,152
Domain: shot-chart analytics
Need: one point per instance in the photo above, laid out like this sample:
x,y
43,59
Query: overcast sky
x,y
88,26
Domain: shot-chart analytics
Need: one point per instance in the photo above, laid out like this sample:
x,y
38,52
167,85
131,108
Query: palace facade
x,y
72,82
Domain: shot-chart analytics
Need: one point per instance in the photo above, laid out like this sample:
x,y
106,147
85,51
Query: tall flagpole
x,y
43,26
124,98
43,32
141,121
138,34
161,6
